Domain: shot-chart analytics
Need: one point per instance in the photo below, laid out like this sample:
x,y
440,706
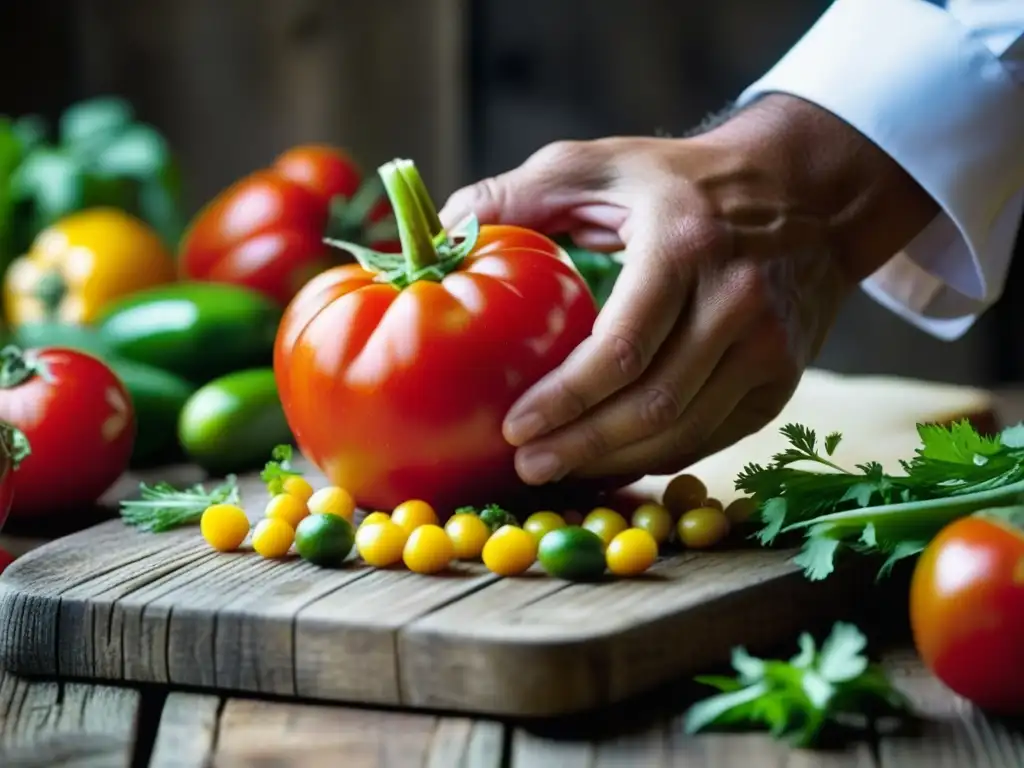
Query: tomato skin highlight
x,y
266,230
967,612
401,393
79,422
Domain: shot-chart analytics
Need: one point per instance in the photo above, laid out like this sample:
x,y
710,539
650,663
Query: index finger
x,y
644,305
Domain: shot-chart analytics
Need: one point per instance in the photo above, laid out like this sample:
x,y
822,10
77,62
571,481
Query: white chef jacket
x,y
939,86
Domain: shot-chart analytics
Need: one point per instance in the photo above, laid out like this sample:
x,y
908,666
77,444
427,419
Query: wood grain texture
x,y
186,735
271,733
49,724
114,604
953,733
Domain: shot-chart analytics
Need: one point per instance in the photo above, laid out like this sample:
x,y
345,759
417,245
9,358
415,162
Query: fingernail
x,y
539,467
519,430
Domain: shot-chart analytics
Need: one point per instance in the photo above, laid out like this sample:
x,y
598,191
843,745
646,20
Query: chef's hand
x,y
739,245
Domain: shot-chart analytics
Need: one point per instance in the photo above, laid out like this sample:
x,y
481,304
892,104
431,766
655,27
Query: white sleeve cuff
x,y
910,77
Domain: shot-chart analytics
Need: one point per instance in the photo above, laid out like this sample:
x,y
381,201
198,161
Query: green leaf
x,y
137,152
276,471
721,682
31,131
817,557
88,125
808,652
52,181
712,710
749,667
832,442
841,656
1013,436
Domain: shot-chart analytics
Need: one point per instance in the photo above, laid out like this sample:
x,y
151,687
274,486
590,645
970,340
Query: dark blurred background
x,y
465,87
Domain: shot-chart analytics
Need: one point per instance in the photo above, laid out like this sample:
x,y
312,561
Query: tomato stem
x,y
429,252
17,367
412,177
15,443
50,291
413,223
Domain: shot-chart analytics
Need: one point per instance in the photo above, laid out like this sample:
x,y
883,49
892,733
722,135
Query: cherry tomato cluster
x,y
319,525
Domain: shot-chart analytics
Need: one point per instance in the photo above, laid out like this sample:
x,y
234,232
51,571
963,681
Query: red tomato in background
x,y
399,393
967,611
266,230
79,422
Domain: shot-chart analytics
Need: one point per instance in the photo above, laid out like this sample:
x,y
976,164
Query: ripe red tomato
x,y
399,393
78,420
266,230
967,611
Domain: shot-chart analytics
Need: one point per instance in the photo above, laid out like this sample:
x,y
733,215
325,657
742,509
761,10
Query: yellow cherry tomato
x,y
468,534
272,537
298,487
540,523
631,552
428,549
702,527
333,501
377,517
81,263
654,519
606,523
414,513
740,510
224,526
510,551
683,493
286,507
380,544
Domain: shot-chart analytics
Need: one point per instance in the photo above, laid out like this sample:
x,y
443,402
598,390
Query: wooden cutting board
x,y
112,603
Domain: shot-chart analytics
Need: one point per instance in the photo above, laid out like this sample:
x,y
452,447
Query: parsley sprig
x,y
955,471
796,699
278,469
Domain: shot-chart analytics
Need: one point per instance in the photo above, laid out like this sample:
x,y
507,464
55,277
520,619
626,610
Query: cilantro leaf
x,y
277,471
955,471
797,699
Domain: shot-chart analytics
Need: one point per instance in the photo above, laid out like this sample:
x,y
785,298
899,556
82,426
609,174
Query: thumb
x,y
549,183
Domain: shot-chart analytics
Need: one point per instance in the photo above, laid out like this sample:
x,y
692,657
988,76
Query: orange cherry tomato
x,y
967,611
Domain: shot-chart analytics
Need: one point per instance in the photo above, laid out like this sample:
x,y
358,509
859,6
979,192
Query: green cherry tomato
x,y
702,527
654,519
606,523
572,553
324,539
540,523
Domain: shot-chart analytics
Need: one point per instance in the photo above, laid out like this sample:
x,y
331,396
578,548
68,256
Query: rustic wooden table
x,y
64,723
75,724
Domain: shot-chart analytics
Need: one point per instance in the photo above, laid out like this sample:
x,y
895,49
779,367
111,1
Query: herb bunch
x,y
955,471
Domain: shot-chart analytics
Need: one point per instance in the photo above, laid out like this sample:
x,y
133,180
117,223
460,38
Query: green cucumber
x,y
232,423
196,330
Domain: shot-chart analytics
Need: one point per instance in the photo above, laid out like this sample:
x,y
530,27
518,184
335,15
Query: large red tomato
x,y
79,423
396,384
967,611
266,231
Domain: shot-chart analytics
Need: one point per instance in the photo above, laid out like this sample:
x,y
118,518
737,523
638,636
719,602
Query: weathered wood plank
x,y
663,745
66,724
954,733
283,734
187,732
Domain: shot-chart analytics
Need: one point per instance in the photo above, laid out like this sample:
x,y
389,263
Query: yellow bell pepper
x,y
81,263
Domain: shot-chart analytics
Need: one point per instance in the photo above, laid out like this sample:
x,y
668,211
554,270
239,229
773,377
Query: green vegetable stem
x,y
955,472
